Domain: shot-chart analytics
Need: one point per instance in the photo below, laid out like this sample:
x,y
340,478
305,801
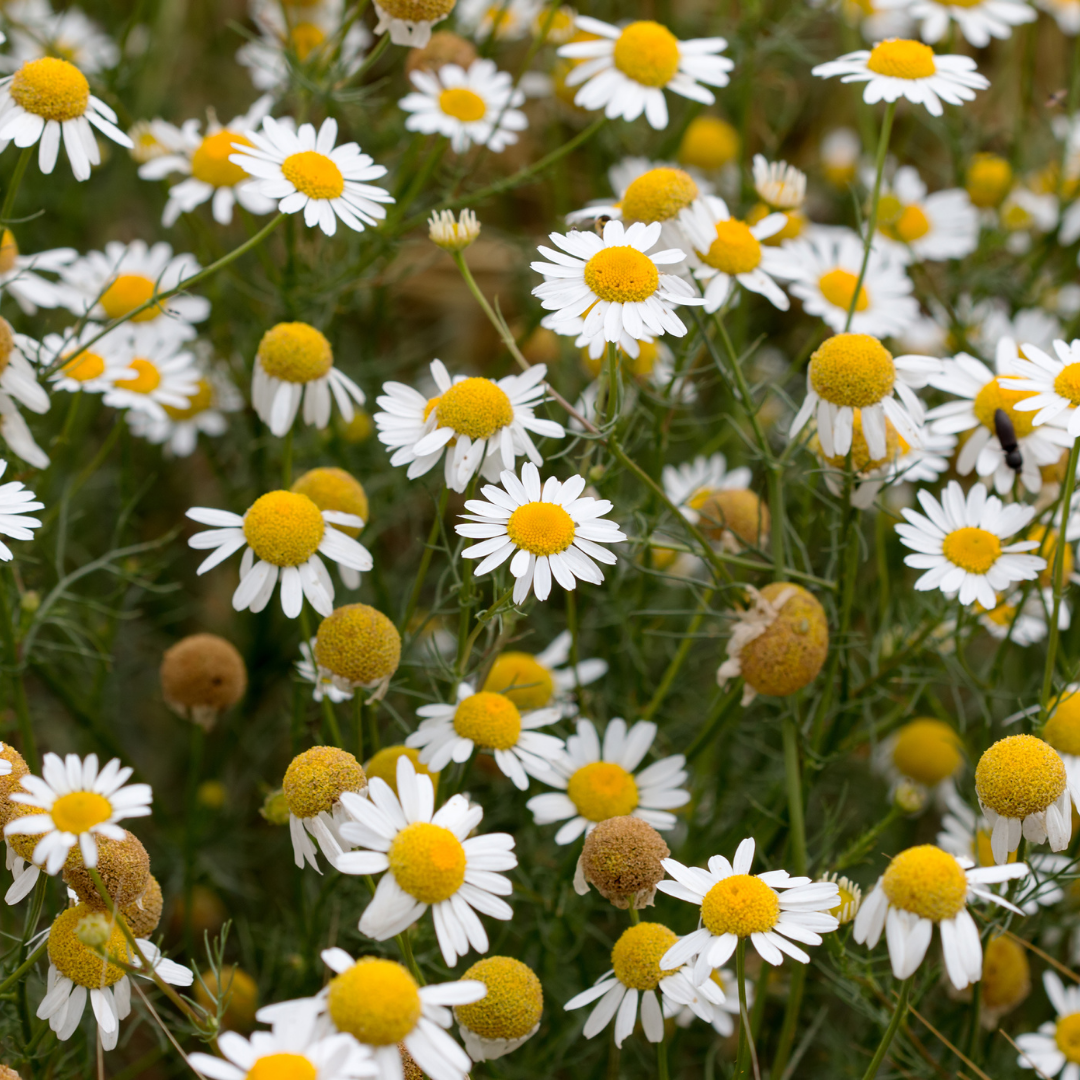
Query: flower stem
x,y
410,961
680,656
24,967
793,779
890,1031
332,727
661,1060
425,561
16,183
286,461
746,1035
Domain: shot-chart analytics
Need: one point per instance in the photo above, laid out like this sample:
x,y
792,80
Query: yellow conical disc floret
x,y
203,671
295,352
376,1001
7,344
358,644
622,275
210,163
317,778
736,513
926,881
637,953
855,370
514,1002
492,721
658,195
1019,775
52,89
1062,730
335,489
76,961
474,407
791,651
518,675
861,461
901,59
428,862
927,750
284,529
740,904
601,790
384,766
418,10
708,143
1006,974
994,396
989,178
648,53
10,782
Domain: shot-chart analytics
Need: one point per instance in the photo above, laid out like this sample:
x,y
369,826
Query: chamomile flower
x,y
93,370
551,532
691,484
898,68
323,685
304,171
14,432
508,1015
979,22
47,98
1062,732
537,681
37,31
613,282
502,20
1020,619
924,886
782,189
961,543
409,22
919,226
474,105
18,379
335,489
160,371
721,1014
1054,1050
17,502
429,859
625,71
481,425
1067,15
925,752
20,275
357,646
78,803
598,782
1052,384
487,721
736,904
285,532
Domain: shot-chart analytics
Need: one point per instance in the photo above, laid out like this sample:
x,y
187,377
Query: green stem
x,y
425,560
725,703
286,461
332,727
635,918
16,183
680,656
24,967
791,1020
890,1031
18,688
746,1035
661,1060
358,718
198,738
793,778
410,961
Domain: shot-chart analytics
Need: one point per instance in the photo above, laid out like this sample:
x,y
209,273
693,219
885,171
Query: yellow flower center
x,y
838,287
926,881
146,379
1067,1036
1067,384
51,88
128,292
282,1067
84,366
316,779
313,174
602,790
428,862
295,352
658,195
330,488
418,10
899,222
284,529
375,1001
976,550
76,961
928,751
513,1003
210,163
735,249
383,765
637,953
358,643
1006,978
305,38
518,676
198,402
474,407
1019,775
901,59
490,720
709,143
989,178
741,904
541,527
847,898
9,252
1062,730
80,811
860,449
648,53
622,275
1048,550
852,369
796,222
994,396
462,104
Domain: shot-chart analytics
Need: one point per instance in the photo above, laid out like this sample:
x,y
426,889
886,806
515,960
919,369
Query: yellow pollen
x,y
359,644
316,779
376,1001
901,59
147,378
128,292
462,104
838,287
9,252
492,721
198,402
648,53
418,10
518,675
735,250
80,811
709,143
313,174
76,961
282,1067
637,954
927,751
50,88
428,862
295,352
1067,1036
602,790
210,163
926,881
84,366
622,275
975,550
1067,384
989,178
658,195
1062,730
861,460
541,527
284,529
852,369
740,904
513,1004
330,488
847,898
994,396
473,407
1019,775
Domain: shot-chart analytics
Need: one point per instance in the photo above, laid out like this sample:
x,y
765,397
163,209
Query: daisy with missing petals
x,y
1054,1050
1052,384
781,188
482,425
304,171
625,71
614,281
430,861
736,904
487,721
286,532
598,783
899,68
16,502
924,886
47,98
690,485
474,105
979,21
78,803
551,532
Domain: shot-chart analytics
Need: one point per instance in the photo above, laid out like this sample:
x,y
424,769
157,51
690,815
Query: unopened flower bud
x,y
94,931
450,234
910,797
275,808
30,601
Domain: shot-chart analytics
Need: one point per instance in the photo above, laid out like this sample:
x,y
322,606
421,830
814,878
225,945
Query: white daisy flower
x,y
917,226
979,22
159,371
924,753
16,502
1052,382
79,803
1062,732
597,783
49,97
898,68
692,484
924,886
736,904
1054,1050
840,150
14,432
1025,214
37,31
477,105
489,721
827,262
94,370
322,681
18,379
1021,619
728,250
304,171
636,975
960,543
430,861
626,71
613,283
551,532
1067,15
482,425
20,275
721,1014
504,20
